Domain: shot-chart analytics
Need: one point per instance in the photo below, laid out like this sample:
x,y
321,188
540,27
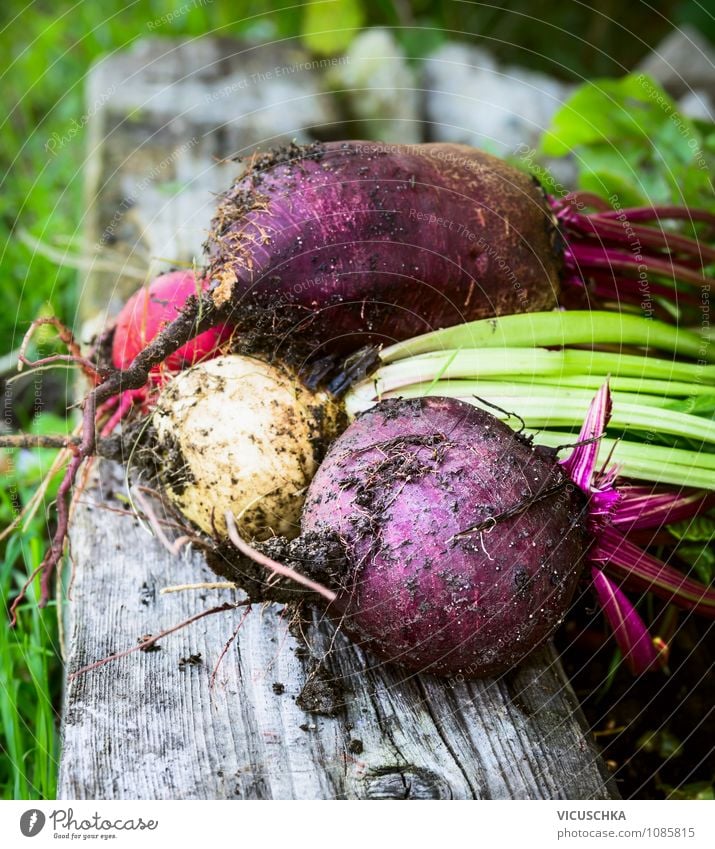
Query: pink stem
x,y
630,631
608,229
585,255
655,213
628,288
642,571
126,402
638,511
273,565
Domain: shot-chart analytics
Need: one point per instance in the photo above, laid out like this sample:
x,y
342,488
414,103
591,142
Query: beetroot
x,y
464,544
140,321
347,243
151,309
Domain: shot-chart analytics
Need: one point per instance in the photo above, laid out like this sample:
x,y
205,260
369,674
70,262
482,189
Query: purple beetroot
x,y
353,242
464,543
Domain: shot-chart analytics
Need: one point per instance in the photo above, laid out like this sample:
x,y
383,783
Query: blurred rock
x,y
251,94
470,99
698,105
682,62
163,118
378,88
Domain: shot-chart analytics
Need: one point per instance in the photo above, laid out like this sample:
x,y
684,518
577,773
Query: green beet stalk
x,y
552,406
643,461
526,362
516,368
515,393
502,365
577,327
668,389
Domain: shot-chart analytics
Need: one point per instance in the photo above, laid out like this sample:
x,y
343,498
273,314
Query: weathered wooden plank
x,y
163,117
149,725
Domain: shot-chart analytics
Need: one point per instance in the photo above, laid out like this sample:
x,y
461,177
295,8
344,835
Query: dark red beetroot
x,y
356,242
401,487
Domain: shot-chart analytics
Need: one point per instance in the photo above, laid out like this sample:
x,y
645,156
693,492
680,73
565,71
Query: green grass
x,y
29,656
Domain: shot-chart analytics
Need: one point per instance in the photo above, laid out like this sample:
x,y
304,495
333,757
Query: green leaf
x,y
701,559
695,537
699,529
603,111
660,742
330,25
627,138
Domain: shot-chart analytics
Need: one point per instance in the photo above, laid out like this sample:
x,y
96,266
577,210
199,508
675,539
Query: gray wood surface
x,y
149,725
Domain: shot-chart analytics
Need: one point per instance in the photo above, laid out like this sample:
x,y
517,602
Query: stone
x,y
470,99
379,89
251,94
683,61
697,104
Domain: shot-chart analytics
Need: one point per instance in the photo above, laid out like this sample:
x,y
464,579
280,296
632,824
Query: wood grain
x,y
149,725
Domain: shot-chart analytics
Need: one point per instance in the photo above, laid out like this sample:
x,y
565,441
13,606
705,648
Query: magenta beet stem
x,y
639,570
581,462
572,204
608,248
640,508
627,288
610,509
608,229
628,628
617,260
658,213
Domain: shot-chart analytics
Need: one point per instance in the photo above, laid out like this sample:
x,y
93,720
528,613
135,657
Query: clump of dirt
x,y
138,447
191,660
285,154
319,556
321,694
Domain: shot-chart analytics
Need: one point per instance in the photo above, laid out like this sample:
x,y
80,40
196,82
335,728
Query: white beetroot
x,y
236,433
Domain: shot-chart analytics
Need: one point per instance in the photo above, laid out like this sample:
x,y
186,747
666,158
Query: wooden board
x,y
149,725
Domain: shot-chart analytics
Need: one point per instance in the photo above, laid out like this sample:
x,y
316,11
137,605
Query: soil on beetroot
x,y
655,732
